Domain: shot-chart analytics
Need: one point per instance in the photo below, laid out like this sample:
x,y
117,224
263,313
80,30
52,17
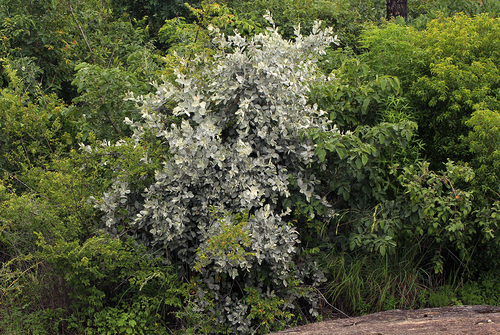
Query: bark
x,y
397,8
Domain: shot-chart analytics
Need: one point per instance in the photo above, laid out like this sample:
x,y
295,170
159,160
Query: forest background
x,y
208,168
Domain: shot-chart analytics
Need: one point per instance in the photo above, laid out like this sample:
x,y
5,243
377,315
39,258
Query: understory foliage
x,y
344,16
450,70
215,205
389,200
187,39
273,178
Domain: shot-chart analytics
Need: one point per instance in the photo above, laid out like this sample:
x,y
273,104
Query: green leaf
x,y
364,159
421,213
322,155
366,102
383,83
330,147
345,194
340,152
381,138
382,250
359,163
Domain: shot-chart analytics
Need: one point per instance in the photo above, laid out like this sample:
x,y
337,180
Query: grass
x,y
359,284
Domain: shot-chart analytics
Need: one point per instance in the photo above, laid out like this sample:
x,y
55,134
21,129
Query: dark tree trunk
x,y
397,8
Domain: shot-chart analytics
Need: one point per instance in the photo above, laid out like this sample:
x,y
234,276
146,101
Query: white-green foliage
x,y
234,151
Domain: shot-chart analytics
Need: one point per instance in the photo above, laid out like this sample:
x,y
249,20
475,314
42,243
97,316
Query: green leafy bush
x,y
40,31
155,11
346,17
113,287
187,39
32,129
47,190
433,211
32,300
374,133
384,211
423,11
45,40
444,296
483,141
33,200
449,71
100,108
483,291
356,97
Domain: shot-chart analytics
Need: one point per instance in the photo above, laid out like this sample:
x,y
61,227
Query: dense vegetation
x,y
241,167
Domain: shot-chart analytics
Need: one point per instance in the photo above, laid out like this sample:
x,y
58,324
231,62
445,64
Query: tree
x,y
397,8
449,71
156,12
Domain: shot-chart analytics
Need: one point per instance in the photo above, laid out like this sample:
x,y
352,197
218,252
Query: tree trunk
x,y
397,8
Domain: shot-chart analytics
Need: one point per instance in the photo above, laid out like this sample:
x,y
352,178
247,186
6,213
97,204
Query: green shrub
x,y
49,284
114,288
156,12
422,11
449,71
32,128
100,108
187,39
374,133
483,141
45,40
344,16
483,291
41,32
444,296
432,210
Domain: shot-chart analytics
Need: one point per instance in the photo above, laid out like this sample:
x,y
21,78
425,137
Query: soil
x,y
471,320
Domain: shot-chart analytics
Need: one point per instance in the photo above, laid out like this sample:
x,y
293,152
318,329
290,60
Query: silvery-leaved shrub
x,y
215,208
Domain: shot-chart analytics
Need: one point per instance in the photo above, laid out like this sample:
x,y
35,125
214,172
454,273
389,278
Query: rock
x,y
471,320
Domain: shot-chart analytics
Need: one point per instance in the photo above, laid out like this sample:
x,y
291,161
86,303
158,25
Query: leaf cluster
x,y
449,72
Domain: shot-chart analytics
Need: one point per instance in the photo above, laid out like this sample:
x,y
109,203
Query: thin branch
x,y
79,26
322,296
44,102
112,123
110,58
31,189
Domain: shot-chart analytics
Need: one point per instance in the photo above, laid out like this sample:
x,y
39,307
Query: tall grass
x,y
32,298
360,284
